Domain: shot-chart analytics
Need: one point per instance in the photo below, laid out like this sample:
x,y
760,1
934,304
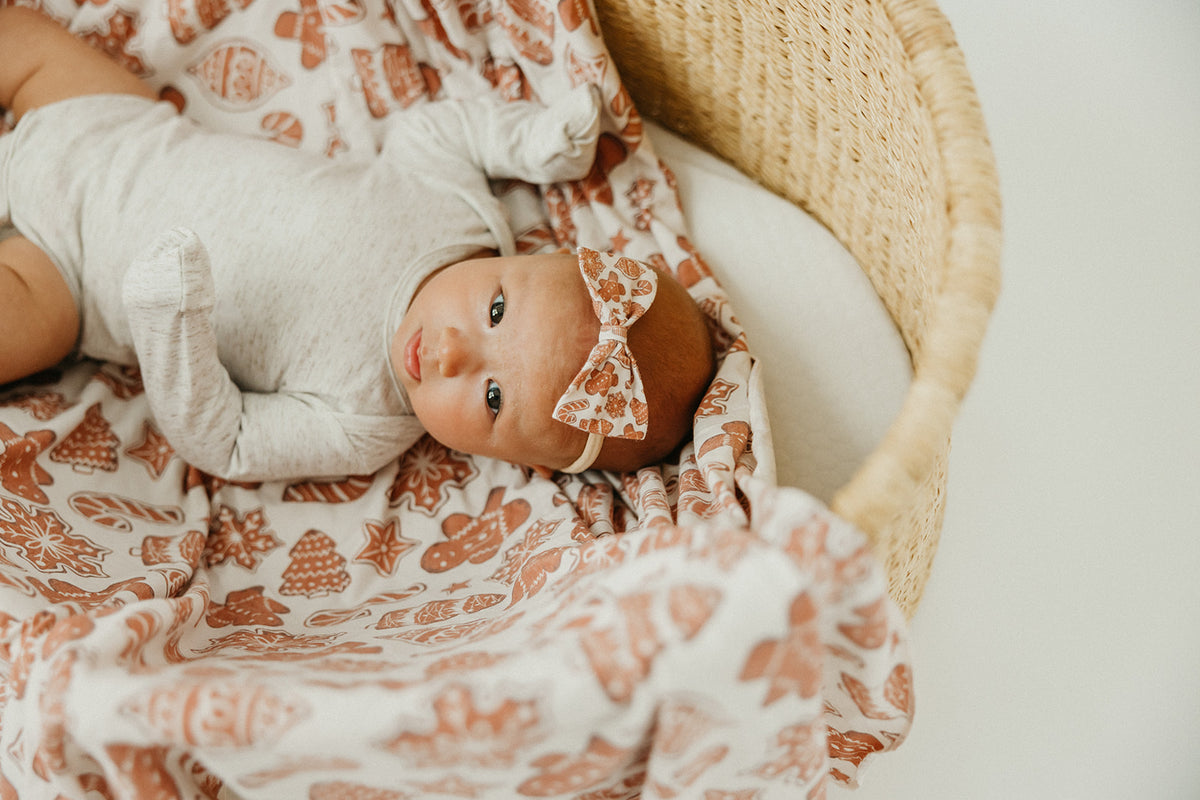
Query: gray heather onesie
x,y
257,286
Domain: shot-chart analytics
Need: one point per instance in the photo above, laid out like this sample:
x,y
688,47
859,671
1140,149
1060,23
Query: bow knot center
x,y
619,333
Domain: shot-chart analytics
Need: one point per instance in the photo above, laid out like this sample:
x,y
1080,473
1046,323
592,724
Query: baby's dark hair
x,y
677,359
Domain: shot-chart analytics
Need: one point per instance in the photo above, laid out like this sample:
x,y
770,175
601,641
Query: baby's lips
x,y
412,356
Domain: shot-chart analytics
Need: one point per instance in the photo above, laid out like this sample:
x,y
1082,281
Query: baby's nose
x,y
455,354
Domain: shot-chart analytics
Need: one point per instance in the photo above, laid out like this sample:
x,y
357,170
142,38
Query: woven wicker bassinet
x,y
863,114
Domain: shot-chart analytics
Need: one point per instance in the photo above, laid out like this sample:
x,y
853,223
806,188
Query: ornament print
x,y
448,626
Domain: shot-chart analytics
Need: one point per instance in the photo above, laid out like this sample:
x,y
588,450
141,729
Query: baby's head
x,y
489,347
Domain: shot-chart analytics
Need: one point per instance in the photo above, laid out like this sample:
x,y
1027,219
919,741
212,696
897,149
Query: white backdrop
x,y
1057,651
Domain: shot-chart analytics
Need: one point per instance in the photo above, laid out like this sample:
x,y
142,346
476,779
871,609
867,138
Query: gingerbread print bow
x,y
606,398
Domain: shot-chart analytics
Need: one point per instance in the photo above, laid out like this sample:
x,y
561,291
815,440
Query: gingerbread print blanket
x,y
449,626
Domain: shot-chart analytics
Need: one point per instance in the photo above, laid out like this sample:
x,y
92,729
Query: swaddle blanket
x,y
449,626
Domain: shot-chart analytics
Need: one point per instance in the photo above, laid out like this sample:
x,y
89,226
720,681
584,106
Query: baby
x,y
296,316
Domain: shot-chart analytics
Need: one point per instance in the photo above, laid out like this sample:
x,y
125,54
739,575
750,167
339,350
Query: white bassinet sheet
x,y
834,368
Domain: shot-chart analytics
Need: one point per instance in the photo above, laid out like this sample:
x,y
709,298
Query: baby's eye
x,y
496,312
493,397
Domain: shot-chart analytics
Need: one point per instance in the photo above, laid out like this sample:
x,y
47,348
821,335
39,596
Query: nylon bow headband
x,y
607,398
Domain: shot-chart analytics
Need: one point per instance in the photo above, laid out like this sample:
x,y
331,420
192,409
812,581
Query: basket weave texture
x,y
862,113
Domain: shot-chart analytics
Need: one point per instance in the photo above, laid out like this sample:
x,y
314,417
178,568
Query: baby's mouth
x,y
412,356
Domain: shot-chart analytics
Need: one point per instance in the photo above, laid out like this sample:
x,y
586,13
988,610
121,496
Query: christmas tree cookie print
x,y
316,568
92,445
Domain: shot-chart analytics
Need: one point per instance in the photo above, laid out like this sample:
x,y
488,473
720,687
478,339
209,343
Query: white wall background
x,y
1058,644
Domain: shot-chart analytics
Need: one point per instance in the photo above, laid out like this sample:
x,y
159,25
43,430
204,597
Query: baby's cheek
x,y
451,423
434,424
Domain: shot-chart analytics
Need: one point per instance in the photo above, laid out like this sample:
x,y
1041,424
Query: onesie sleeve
x,y
519,139
211,423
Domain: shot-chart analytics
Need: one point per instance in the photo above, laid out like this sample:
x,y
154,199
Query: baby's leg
x,y
38,319
42,63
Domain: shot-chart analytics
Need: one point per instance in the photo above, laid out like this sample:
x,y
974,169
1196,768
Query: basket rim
x,y
946,363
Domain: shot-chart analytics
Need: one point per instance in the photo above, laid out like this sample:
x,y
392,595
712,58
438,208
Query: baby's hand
x,y
174,273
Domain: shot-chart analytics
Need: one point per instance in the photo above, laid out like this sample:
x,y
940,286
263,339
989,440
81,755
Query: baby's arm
x,y
210,422
532,142
43,63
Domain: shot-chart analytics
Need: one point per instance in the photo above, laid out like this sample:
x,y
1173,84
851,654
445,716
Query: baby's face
x,y
486,349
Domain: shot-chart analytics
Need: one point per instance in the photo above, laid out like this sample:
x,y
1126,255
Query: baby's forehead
x,y
546,368
568,326
561,350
